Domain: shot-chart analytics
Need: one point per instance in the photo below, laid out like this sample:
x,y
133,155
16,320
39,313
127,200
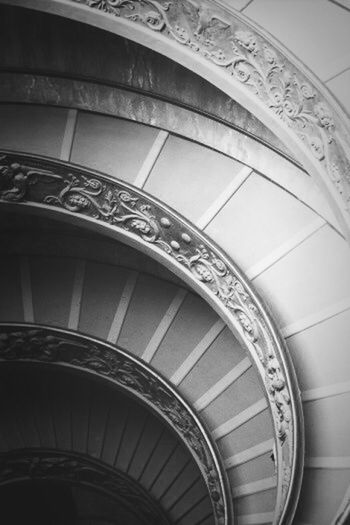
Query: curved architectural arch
x,y
117,208
297,260
56,347
232,54
18,88
80,470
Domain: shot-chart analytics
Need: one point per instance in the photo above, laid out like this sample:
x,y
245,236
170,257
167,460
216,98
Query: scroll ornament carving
x,y
232,45
42,345
15,179
111,202
73,468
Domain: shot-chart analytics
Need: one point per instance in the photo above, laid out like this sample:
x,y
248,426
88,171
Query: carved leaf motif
x,y
110,6
15,179
108,201
232,45
82,194
45,346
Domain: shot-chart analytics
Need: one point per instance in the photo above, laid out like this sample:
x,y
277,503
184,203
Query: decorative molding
x,y
226,39
77,469
50,185
34,344
143,108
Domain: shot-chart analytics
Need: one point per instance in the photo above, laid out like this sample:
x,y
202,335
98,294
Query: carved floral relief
x,y
23,343
229,43
58,186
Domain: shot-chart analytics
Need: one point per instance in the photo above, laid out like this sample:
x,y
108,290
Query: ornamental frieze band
x,y
34,344
72,468
223,38
55,186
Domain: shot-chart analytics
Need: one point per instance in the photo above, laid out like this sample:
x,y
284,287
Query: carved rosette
x,y
81,470
49,346
54,185
231,44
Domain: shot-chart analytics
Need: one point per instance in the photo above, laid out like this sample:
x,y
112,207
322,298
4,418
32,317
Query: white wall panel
x,y
321,353
309,279
321,495
189,176
115,146
328,427
340,87
258,219
34,129
316,31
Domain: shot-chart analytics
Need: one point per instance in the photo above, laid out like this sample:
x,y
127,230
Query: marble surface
x,y
67,48
130,105
118,102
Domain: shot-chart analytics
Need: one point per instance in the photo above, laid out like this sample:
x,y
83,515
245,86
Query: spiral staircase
x,y
162,323
174,304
